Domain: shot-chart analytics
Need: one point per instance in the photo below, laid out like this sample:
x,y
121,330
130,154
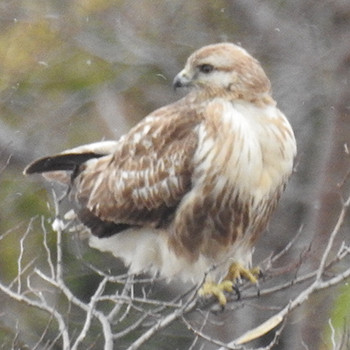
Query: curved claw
x,y
216,289
235,273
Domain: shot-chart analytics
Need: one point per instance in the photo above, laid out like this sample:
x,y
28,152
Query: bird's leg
x,y
235,273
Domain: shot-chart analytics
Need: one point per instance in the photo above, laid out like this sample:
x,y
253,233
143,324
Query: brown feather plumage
x,y
195,182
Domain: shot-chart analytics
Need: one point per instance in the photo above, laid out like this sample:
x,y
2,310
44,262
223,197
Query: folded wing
x,y
136,181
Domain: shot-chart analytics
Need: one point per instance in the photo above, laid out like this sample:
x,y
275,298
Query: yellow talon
x,y
216,289
235,272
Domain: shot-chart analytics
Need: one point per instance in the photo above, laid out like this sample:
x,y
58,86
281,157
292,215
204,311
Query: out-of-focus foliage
x,y
338,326
78,71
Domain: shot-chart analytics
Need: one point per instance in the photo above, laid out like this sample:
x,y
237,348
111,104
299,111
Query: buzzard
x,y
192,185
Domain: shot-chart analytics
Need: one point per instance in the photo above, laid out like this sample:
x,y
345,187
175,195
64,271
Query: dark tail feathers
x,y
67,162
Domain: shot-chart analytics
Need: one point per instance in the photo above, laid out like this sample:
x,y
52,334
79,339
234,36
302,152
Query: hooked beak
x,y
181,80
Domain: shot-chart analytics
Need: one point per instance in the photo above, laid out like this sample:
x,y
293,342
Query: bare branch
x,y
167,320
20,258
48,251
119,298
42,306
318,284
89,314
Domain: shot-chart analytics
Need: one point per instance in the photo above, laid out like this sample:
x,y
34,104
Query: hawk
x,y
194,184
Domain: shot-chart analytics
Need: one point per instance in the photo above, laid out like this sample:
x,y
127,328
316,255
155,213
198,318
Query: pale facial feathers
x,y
193,184
224,69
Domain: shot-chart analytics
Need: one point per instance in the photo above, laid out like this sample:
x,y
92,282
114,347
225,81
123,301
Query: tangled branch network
x,y
126,310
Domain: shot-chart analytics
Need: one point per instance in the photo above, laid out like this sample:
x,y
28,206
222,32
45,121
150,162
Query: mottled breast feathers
x,y
195,182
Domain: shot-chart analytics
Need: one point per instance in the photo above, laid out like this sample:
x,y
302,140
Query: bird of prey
x,y
192,185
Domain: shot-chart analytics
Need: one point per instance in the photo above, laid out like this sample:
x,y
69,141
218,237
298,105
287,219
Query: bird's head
x,y
224,69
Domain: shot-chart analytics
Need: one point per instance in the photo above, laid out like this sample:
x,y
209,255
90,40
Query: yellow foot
x,y
235,273
217,290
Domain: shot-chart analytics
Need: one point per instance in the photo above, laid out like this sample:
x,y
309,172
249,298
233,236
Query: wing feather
x,y
144,180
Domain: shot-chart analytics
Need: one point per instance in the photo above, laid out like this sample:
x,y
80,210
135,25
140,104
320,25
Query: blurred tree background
x,y
79,71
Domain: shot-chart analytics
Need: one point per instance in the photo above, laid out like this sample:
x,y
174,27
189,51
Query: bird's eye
x,y
206,68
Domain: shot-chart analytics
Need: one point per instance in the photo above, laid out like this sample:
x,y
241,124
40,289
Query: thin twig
x,y
166,321
48,251
318,284
89,314
41,306
20,258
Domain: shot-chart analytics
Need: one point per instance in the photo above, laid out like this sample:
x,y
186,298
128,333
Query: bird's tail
x,y
59,162
59,166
